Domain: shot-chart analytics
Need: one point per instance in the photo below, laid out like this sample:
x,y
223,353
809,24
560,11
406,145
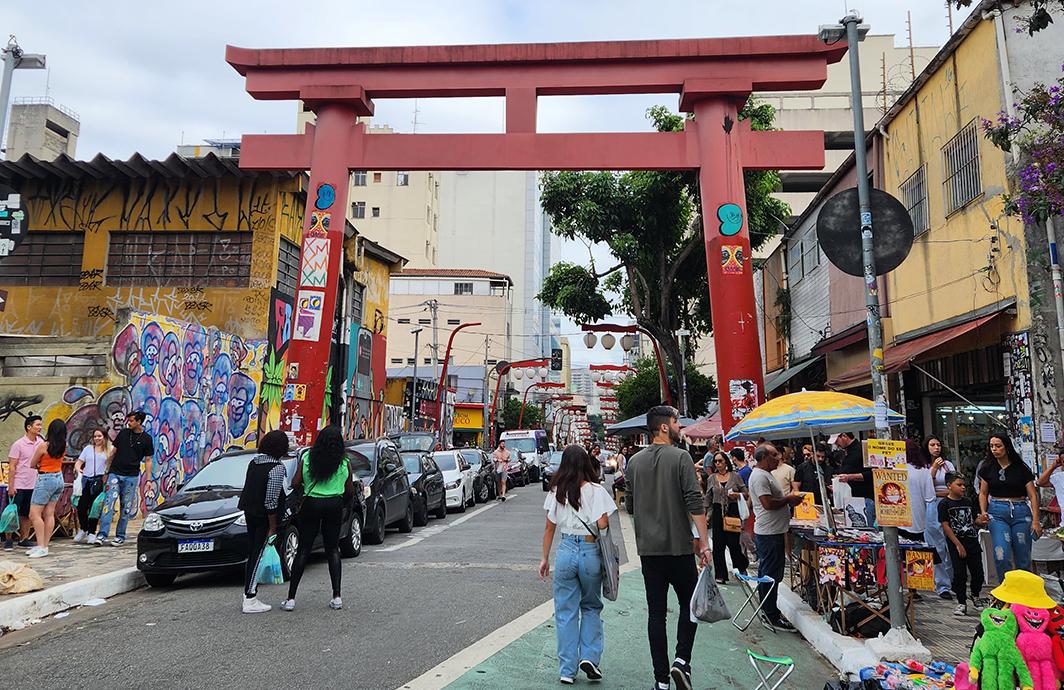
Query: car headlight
x,y
367,491
453,485
153,523
242,520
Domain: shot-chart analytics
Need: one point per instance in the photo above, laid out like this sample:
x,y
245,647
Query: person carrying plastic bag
x,y
262,499
707,603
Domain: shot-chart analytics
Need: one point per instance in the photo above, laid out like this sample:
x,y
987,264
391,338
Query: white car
x,y
457,479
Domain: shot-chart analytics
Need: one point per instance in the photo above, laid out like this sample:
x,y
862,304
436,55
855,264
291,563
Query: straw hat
x,y
1023,588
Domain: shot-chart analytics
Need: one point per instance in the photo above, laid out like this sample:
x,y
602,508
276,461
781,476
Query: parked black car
x,y
485,486
518,472
424,441
387,487
426,486
553,461
200,528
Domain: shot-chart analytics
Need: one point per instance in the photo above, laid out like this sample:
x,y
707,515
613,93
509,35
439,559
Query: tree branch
x,y
692,242
608,271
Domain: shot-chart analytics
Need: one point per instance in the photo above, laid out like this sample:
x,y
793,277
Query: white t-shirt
x,y
95,461
1057,480
595,502
921,492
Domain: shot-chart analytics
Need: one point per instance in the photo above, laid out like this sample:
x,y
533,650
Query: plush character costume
x,y
996,662
1056,634
1035,646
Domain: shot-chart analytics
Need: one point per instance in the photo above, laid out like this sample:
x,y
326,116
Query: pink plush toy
x,y
960,678
1036,646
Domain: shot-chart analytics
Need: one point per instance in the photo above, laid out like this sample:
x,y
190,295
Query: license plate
x,y
195,545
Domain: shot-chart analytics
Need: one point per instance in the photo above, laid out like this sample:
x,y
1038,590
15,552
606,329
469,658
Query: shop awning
x,y
897,358
781,377
707,427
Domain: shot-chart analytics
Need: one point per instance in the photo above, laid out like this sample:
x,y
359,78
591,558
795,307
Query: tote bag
x,y
611,560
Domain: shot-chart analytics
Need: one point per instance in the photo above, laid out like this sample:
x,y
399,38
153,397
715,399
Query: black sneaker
x,y
681,673
590,670
946,595
9,545
784,624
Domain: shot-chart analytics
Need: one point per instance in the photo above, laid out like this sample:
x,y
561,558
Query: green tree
x,y
1041,15
641,391
651,221
511,412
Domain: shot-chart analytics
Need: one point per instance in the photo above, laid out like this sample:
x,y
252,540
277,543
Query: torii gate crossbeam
x,y
713,78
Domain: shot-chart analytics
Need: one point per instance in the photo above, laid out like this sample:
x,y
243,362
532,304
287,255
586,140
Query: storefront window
x,y
964,430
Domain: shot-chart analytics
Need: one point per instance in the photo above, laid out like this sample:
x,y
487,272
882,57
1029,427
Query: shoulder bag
x,y
611,559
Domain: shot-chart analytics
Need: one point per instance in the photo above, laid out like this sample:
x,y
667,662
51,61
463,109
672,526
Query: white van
x,y
532,444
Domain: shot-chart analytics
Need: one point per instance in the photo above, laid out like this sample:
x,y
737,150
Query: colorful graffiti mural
x,y
199,388
278,335
367,371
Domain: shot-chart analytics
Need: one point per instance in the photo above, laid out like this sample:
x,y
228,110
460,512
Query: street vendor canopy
x,y
807,413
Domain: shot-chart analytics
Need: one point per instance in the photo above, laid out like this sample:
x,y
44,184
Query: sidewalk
x,y
73,573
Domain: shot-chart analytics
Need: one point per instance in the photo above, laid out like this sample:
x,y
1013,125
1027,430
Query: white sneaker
x,y
336,603
288,605
79,536
37,552
255,606
961,610
90,540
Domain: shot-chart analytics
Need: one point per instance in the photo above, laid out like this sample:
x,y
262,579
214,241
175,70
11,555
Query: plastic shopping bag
x,y
840,493
76,487
97,505
269,572
707,604
744,510
9,518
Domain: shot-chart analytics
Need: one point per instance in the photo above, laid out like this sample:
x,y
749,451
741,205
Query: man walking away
x,y
22,478
132,446
772,519
666,499
501,456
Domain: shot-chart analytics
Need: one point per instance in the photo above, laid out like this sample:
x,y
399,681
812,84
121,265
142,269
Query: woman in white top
x,y
92,463
921,492
933,533
576,500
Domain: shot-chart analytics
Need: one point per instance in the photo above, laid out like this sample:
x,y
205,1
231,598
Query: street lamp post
x,y
524,400
540,362
14,59
663,380
443,374
682,335
413,382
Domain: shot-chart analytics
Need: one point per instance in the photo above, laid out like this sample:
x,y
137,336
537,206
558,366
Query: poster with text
x,y
893,500
884,453
919,570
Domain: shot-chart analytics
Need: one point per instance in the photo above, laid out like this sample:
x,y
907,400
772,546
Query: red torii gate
x,y
713,78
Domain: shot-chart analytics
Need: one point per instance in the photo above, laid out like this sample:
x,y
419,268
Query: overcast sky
x,y
144,77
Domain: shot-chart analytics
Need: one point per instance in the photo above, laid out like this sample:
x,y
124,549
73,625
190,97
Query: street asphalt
x,y
409,604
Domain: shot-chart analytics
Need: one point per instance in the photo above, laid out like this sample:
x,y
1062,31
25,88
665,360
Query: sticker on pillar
x,y
731,219
309,306
314,269
743,394
326,197
289,392
731,259
319,224
293,371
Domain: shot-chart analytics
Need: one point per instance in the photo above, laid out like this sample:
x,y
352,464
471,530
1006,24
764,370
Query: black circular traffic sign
x,y
839,227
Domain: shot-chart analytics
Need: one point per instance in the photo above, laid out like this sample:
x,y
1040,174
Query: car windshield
x,y
523,445
472,457
223,473
420,442
363,460
556,457
445,461
412,462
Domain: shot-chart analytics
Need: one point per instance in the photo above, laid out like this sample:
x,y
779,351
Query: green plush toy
x,y
996,662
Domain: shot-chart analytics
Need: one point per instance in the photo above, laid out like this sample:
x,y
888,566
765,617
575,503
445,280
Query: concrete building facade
x,y
42,129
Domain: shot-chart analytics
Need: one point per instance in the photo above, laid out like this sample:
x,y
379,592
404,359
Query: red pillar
x,y
728,261
321,265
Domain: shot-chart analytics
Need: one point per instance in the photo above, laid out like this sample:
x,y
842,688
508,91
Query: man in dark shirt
x,y
806,473
132,446
854,473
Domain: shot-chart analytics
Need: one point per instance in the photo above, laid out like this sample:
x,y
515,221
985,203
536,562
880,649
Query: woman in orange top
x,y
48,461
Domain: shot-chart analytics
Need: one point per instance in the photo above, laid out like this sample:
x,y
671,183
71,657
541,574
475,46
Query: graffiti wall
x,y
199,388
278,334
367,375
1020,394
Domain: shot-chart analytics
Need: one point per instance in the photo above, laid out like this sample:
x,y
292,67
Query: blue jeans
x,y
577,603
123,489
936,538
1010,531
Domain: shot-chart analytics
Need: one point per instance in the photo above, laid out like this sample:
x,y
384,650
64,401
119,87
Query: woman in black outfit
x,y
724,489
325,477
262,499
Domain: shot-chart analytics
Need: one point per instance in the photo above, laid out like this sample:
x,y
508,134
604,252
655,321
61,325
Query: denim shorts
x,y
48,490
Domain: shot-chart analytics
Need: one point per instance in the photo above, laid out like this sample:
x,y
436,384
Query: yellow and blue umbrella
x,y
808,413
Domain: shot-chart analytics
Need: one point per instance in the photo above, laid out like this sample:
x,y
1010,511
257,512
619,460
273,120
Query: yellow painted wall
x,y
266,206
374,274
941,278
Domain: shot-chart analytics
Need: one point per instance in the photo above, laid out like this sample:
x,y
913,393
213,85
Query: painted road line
x,y
450,670
427,532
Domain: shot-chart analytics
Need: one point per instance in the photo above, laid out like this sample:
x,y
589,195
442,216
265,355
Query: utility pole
x,y
484,438
682,335
875,326
13,58
413,384
434,306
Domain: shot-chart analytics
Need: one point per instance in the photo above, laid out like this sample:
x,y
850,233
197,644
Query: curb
x,y
68,595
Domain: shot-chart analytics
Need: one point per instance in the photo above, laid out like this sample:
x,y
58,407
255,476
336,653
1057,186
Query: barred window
x,y
794,260
914,196
463,288
44,258
810,252
288,267
202,259
358,299
960,164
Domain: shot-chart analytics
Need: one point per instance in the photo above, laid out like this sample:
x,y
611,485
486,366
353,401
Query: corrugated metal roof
x,y
451,273
136,166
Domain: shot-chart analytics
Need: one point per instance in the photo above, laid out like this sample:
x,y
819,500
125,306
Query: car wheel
x,y
159,580
406,525
289,549
441,512
484,493
421,515
352,545
375,533
472,499
461,505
